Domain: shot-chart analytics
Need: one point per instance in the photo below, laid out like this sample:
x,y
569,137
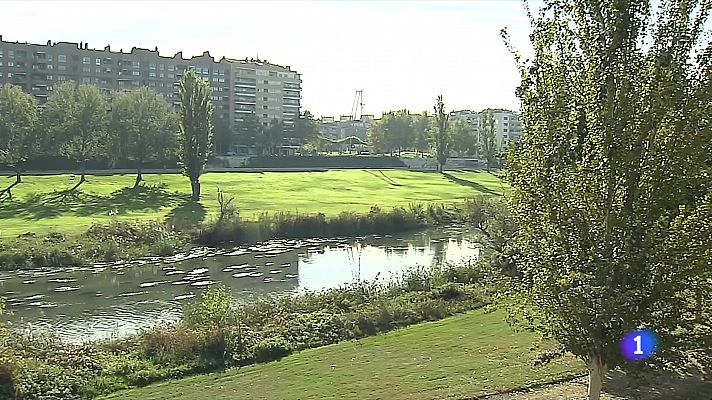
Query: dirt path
x,y
619,387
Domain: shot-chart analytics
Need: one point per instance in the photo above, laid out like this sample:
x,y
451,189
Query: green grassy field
x,y
463,356
39,206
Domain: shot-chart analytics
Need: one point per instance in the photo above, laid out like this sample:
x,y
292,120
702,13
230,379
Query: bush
x,y
213,309
271,349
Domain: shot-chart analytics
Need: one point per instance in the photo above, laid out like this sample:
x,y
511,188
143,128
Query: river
x,y
114,300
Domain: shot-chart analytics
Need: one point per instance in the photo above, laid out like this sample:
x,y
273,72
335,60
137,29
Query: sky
x,y
402,54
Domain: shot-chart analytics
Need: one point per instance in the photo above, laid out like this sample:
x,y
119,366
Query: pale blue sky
x,y
402,54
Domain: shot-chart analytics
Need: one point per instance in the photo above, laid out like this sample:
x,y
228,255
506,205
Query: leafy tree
x,y
421,132
195,133
378,134
441,140
401,131
464,141
144,128
249,130
272,137
18,120
76,118
611,189
306,128
488,142
222,135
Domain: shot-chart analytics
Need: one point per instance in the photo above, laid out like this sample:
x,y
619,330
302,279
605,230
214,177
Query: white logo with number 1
x,y
638,342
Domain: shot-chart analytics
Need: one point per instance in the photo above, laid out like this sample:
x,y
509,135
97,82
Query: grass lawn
x,y
39,206
463,356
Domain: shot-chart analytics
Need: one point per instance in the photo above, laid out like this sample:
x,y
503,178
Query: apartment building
x,y
239,87
507,124
346,126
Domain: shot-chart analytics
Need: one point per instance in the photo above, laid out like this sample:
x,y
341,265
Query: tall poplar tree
x,y
195,129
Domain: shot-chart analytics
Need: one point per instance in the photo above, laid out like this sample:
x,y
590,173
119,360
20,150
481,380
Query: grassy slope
x,y
466,355
38,207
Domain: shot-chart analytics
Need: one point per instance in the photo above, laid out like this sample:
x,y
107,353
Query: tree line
x,y
81,123
399,131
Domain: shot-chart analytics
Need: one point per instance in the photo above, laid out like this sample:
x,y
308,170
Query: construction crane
x,y
356,105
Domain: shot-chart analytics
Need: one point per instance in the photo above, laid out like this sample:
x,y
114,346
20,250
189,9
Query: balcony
x,y
291,95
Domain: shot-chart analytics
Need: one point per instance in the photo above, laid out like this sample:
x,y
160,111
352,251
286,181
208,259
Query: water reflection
x,y
115,300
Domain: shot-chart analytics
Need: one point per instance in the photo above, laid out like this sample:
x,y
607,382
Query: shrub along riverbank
x,y
215,334
121,240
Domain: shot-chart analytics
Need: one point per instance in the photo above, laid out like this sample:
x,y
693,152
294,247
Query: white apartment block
x,y
507,125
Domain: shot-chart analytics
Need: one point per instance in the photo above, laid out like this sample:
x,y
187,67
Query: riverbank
x,y
41,205
469,355
213,334
122,240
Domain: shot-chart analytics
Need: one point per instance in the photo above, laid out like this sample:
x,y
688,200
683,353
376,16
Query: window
x,y
222,72
215,79
97,71
49,77
11,53
161,67
152,65
86,80
264,116
86,70
10,64
135,83
216,72
264,107
272,73
86,60
62,67
171,68
50,66
152,84
171,76
264,99
161,75
221,80
97,61
151,74
135,73
62,58
107,70
1,53
265,82
264,90
261,72
0,74
135,64
61,78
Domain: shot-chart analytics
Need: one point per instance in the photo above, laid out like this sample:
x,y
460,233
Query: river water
x,y
105,301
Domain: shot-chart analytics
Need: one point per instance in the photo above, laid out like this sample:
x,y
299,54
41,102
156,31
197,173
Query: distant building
x,y
507,125
239,87
345,127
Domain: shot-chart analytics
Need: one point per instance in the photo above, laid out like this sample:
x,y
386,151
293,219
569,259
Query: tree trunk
x,y
139,178
195,188
83,178
596,372
18,175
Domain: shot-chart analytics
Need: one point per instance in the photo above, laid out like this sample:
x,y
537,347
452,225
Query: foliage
x,y
76,118
18,120
249,130
195,131
440,140
421,131
143,128
488,143
612,174
306,128
392,133
463,137
214,309
223,138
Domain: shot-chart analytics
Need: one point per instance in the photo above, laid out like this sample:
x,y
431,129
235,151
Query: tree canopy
x,y
611,182
195,129
18,121
143,128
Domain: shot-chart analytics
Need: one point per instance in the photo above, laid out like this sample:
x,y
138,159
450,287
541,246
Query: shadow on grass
x,y
464,182
189,213
82,204
380,175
